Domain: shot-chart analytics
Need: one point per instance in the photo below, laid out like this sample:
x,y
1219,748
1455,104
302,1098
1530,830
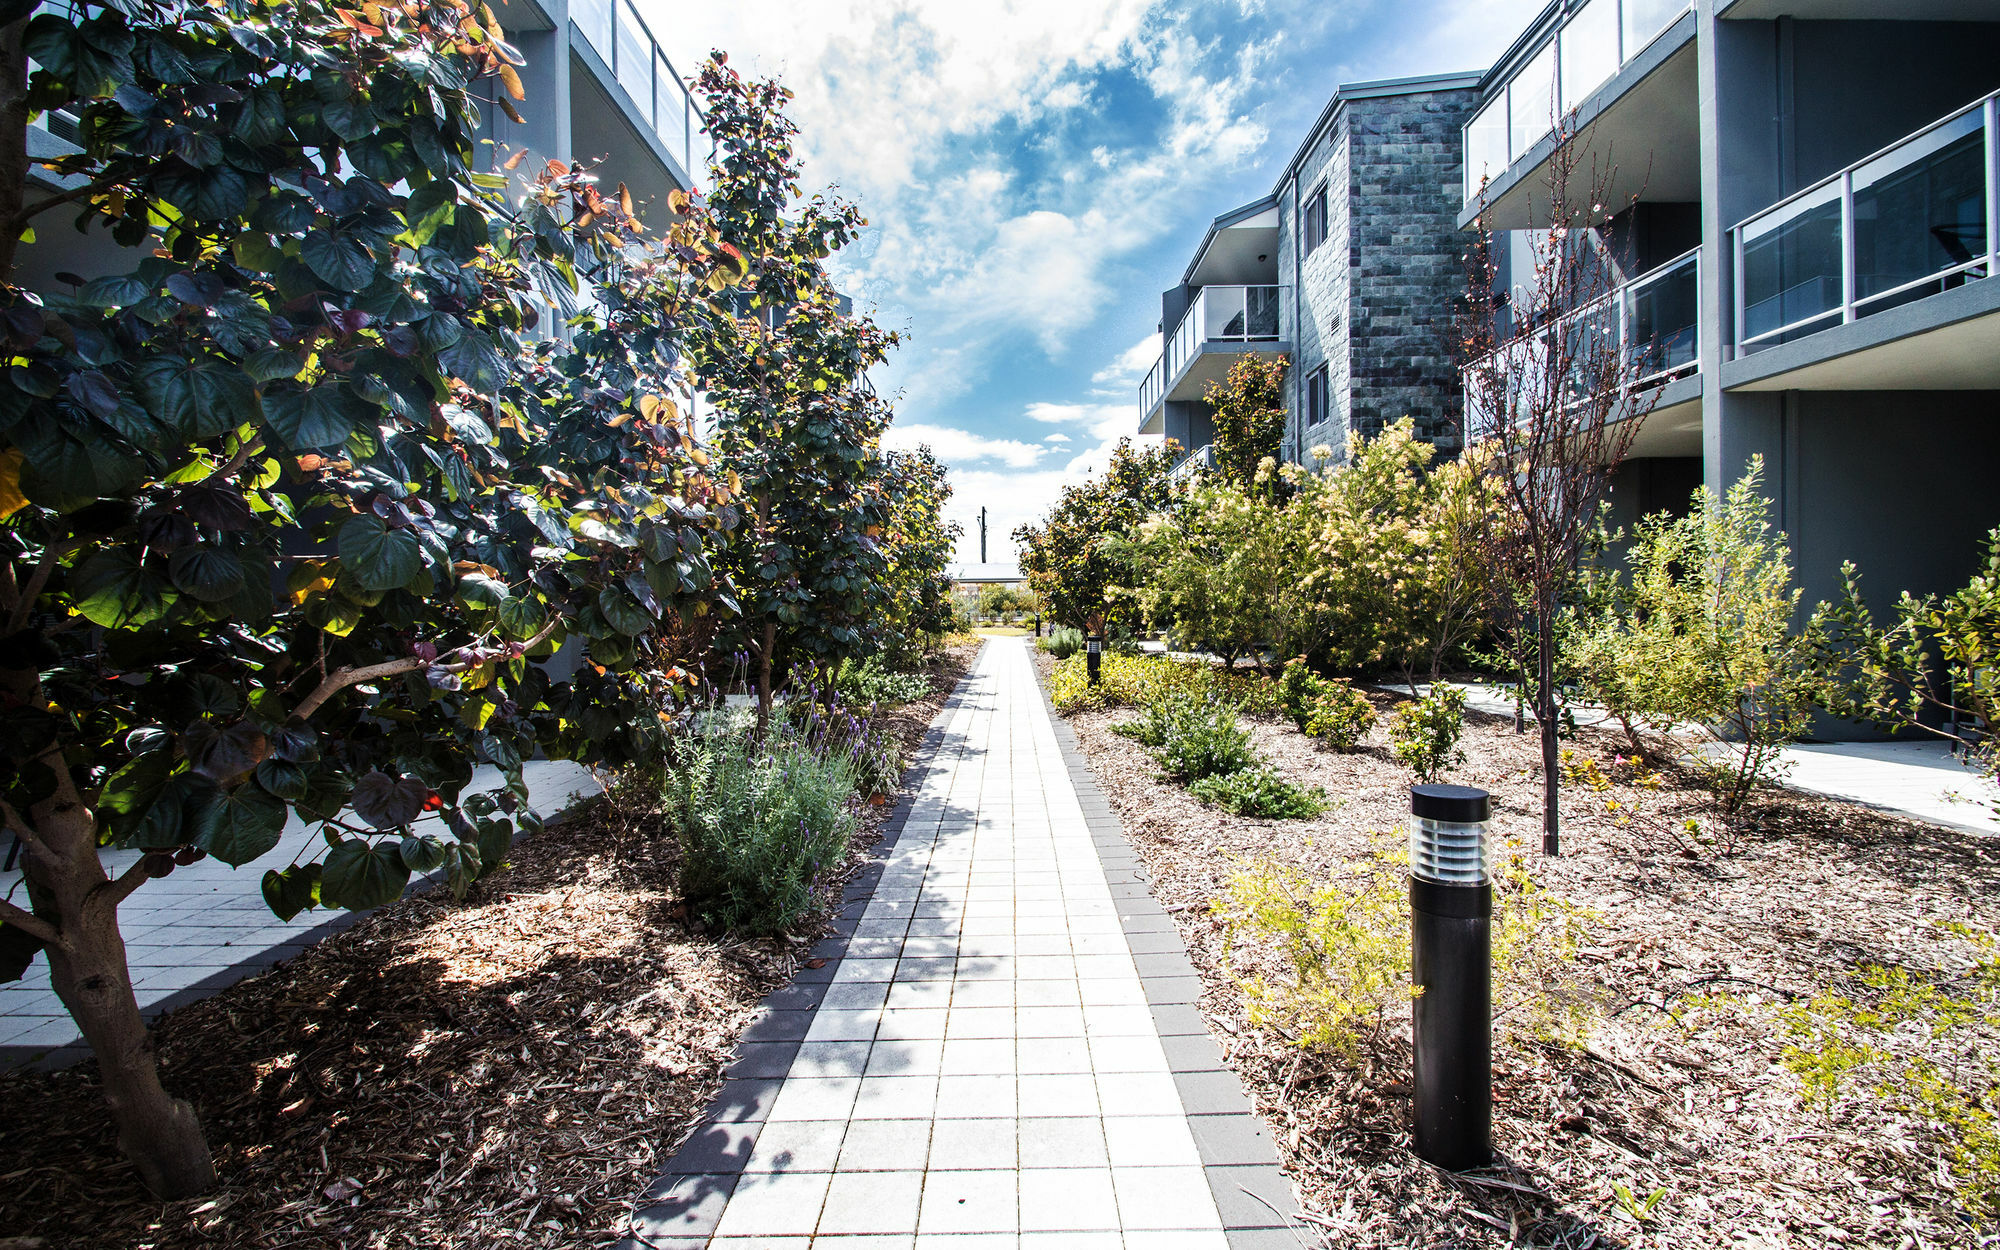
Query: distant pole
x,y
982,535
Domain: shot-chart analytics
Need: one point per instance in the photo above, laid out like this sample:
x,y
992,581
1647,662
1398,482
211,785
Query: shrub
x,y
1327,709
1196,737
1340,717
1259,791
1701,635
863,682
757,824
1062,642
1913,1039
1137,680
1425,733
1343,954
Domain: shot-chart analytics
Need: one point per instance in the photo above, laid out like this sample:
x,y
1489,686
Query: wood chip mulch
x,y
1666,1096
509,1070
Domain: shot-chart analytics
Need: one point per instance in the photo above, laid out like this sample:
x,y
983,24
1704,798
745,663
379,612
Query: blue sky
x,y
1035,173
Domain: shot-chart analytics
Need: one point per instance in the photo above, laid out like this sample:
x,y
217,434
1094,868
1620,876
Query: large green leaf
x,y
292,891
359,874
623,611
200,400
386,802
380,558
117,590
341,261
207,572
236,826
308,420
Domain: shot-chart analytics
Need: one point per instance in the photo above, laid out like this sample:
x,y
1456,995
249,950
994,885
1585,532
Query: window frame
x,y
1312,223
1319,395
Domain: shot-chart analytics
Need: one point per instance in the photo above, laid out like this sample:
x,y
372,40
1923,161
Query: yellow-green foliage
x,y
1921,1043
1344,952
1138,680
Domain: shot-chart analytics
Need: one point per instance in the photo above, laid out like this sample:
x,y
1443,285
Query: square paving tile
x,y
797,1146
1069,1142
769,1203
970,1202
1070,1199
872,1202
1164,1198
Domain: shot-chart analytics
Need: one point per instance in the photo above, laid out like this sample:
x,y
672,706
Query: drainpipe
x,y
1298,322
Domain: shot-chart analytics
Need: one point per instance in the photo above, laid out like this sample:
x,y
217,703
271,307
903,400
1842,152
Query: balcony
x,y
625,44
1656,319
1915,220
1632,92
1223,323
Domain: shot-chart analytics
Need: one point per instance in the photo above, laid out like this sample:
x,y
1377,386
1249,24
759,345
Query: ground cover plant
x,y
1655,1106
1128,680
1424,733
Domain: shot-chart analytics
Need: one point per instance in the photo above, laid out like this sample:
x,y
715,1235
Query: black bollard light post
x,y
1093,656
1451,964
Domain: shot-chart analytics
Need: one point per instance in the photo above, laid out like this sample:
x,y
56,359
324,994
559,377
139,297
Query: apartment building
x,y
1348,267
599,87
1816,189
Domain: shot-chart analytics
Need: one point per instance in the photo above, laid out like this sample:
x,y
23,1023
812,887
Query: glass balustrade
x,y
1596,40
621,37
1219,314
1911,221
1655,320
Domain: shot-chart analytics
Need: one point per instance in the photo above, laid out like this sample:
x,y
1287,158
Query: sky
x,y
1036,172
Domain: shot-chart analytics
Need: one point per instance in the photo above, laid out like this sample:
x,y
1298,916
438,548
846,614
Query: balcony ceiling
x,y
1861,10
1212,363
1674,427
1651,134
519,15
1232,255
602,129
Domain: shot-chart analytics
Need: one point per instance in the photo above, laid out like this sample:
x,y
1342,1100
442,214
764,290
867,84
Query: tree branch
x,y
20,829
29,212
24,605
29,923
129,880
341,678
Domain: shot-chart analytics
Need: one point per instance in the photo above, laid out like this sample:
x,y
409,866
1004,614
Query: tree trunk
x,y
1545,713
68,889
770,643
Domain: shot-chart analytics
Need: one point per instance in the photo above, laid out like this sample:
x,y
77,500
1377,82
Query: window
x,y
1315,223
1317,397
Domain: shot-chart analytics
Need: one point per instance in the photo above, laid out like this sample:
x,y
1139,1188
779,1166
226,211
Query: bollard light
x,y
1093,655
1451,964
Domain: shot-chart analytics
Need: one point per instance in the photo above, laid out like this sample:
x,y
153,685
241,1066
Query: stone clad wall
x,y
1405,250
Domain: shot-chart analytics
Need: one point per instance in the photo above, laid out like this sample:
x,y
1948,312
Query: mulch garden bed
x,y
504,1071
1665,1096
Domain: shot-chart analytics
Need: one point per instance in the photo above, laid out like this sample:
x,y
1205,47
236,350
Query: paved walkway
x,y
1001,1046
1920,779
205,927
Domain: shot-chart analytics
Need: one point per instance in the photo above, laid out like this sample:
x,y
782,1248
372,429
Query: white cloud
x,y
1056,438
956,447
1131,364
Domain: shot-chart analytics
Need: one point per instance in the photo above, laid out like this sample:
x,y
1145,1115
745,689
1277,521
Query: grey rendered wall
x,y
1406,259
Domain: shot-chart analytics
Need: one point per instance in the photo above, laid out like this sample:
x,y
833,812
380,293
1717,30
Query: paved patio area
x,y
1001,1047
1922,780
206,927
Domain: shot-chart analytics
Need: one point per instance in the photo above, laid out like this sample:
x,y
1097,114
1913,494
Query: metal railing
x,y
1595,41
1199,460
1656,319
1219,314
1917,218
619,35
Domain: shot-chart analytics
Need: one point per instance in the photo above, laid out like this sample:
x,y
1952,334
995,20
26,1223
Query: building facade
x,y
1816,202
1348,268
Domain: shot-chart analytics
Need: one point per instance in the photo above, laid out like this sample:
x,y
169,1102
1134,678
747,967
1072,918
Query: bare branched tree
x,y
1552,392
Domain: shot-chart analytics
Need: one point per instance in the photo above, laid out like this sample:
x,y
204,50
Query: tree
x,y
1701,635
795,418
919,543
1553,393
290,508
1249,406
1933,667
1216,567
1078,560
